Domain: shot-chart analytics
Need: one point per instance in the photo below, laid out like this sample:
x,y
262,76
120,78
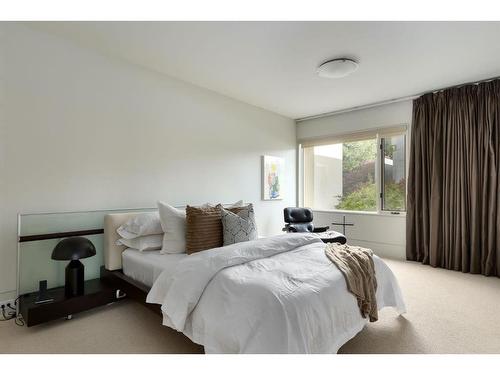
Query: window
x,y
358,173
393,173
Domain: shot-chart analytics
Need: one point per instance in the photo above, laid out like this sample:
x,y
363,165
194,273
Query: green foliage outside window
x,y
394,196
362,199
355,154
358,173
365,198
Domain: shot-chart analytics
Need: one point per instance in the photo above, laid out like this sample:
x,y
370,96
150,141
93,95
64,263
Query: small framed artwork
x,y
272,177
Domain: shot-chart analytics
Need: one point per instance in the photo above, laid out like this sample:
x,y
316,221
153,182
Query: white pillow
x,y
141,225
232,205
173,223
236,204
149,242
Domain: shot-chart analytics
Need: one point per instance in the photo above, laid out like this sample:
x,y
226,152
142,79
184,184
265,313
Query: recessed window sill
x,y
367,213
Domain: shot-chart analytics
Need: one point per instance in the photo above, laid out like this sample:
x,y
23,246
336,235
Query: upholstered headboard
x,y
112,251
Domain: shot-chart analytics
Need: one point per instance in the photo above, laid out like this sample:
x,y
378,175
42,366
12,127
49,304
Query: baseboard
x,y
7,295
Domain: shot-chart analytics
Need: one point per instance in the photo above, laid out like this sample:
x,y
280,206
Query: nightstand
x,y
96,293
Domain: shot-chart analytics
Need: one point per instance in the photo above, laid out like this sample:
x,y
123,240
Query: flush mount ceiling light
x,y
337,68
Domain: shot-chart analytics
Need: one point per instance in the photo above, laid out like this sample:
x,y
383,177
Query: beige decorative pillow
x,y
204,227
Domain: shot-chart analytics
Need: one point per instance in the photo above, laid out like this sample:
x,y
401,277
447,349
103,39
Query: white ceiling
x,y
272,64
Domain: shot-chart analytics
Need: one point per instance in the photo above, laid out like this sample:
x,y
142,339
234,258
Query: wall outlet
x,y
5,302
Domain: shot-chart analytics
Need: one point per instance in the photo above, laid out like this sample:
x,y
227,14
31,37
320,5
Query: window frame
x,y
380,194
378,134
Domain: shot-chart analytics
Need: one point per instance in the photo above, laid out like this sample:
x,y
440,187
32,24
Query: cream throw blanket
x,y
356,264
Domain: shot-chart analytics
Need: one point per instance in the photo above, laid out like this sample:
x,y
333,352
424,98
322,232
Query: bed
x,y
145,267
273,295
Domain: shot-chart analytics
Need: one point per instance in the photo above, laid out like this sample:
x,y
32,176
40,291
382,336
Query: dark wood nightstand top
x,y
96,293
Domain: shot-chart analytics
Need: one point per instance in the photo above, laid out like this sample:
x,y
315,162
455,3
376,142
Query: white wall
x,y
385,234
85,131
327,181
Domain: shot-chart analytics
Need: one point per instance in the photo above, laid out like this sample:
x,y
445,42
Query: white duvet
x,y
278,294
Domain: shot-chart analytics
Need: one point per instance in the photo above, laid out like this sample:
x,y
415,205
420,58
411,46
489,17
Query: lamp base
x,y
74,284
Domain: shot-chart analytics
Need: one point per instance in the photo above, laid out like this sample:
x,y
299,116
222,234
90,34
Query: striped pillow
x,y
204,227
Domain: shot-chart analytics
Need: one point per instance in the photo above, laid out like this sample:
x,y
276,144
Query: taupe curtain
x,y
453,218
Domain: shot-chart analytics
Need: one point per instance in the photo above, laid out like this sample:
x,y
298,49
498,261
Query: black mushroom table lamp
x,y
73,249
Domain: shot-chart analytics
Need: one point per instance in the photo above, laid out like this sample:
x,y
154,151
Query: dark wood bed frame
x,y
129,288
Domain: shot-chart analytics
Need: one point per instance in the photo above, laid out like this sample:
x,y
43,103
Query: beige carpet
x,y
448,312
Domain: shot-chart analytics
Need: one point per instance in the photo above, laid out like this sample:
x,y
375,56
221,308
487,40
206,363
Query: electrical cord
x,y
19,321
5,317
12,315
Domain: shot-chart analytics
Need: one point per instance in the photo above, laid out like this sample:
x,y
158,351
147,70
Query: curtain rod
x,y
391,101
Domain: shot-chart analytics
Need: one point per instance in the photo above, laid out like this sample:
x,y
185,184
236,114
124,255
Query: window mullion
x,y
378,174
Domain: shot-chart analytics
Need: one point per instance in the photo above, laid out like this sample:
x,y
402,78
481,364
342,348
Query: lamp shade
x,y
73,248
